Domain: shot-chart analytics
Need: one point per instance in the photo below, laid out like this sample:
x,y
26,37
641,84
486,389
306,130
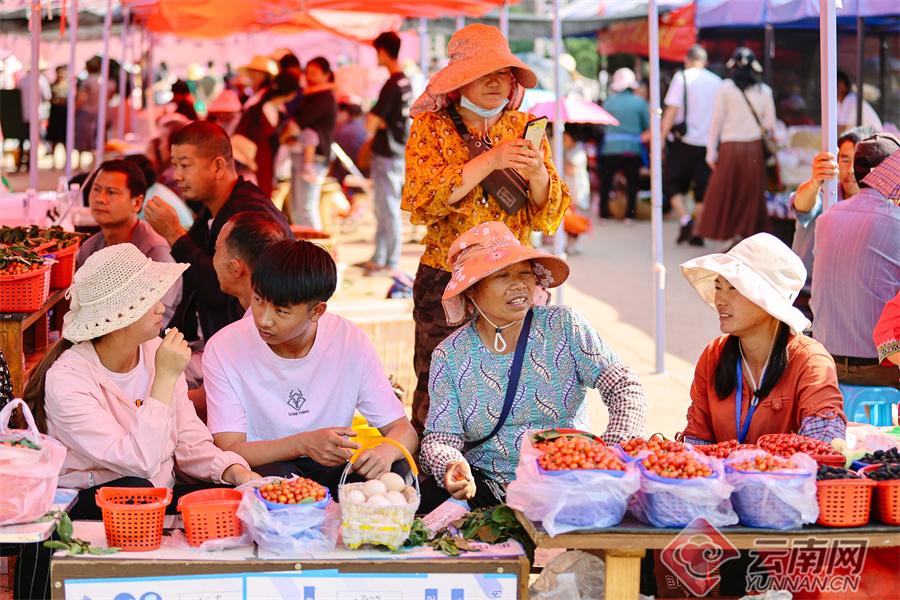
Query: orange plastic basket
x,y
133,517
844,502
887,498
210,515
63,270
25,292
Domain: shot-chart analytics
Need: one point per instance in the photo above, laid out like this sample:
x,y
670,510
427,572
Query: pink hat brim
x,y
453,301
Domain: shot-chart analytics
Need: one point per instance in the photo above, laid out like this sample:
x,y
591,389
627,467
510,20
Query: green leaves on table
x,y
73,546
491,526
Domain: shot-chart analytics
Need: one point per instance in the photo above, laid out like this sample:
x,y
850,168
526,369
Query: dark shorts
x,y
685,167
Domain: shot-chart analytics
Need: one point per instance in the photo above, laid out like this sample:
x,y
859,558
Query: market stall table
x,y
15,328
623,546
70,575
40,530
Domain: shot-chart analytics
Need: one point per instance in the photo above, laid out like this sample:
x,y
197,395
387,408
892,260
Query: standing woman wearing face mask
x,y
466,128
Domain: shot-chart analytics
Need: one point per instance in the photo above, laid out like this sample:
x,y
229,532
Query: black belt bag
x,y
507,186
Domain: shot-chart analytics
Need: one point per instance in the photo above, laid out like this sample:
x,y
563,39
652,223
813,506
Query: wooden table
x,y
16,328
624,546
172,560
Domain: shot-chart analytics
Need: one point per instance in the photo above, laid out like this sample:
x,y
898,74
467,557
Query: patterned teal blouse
x,y
564,357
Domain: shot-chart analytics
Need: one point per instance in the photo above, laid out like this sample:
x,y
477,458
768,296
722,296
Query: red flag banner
x,y
677,33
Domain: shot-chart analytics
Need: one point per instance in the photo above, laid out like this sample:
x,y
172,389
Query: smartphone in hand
x,y
534,131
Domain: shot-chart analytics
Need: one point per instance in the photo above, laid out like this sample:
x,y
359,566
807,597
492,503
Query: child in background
x,y
575,174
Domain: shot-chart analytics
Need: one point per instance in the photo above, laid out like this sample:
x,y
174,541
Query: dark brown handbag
x,y
506,186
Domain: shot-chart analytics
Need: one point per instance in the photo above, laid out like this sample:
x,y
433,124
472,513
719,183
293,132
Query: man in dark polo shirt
x,y
388,122
205,172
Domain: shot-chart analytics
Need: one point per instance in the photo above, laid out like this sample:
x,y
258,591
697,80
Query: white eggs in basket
x,y
392,482
410,493
377,501
396,499
374,488
356,497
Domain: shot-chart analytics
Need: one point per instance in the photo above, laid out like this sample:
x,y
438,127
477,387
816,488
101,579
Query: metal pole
x,y
659,267
104,86
828,72
559,126
460,22
34,90
504,19
424,47
860,42
768,53
882,73
123,96
73,87
151,77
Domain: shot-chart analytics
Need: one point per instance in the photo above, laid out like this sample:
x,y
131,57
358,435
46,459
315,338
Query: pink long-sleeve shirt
x,y
109,436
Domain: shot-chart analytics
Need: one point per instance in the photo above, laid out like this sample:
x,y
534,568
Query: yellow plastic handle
x,y
377,442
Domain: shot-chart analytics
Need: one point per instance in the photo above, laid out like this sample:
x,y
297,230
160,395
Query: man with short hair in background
x,y
685,166
115,196
388,127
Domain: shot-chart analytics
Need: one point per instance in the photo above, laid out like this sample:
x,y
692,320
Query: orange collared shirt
x,y
435,156
807,388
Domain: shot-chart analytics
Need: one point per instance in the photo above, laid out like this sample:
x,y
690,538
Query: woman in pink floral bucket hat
x,y
467,163
529,363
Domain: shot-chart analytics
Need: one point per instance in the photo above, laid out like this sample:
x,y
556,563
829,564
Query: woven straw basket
x,y
381,525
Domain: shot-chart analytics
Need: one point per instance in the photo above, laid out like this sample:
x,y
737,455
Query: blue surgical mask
x,y
484,113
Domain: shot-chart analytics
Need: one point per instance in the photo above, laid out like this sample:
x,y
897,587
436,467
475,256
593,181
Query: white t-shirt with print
x,y
252,390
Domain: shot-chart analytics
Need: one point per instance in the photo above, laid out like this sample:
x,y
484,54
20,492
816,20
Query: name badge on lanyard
x,y
738,401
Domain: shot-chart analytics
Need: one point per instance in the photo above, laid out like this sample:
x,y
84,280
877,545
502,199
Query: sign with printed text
x,y
309,585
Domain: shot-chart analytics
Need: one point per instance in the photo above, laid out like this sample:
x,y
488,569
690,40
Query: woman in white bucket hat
x,y
114,393
763,376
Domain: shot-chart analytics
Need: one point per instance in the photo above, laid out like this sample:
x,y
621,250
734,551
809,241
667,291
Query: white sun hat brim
x,y
753,269
129,302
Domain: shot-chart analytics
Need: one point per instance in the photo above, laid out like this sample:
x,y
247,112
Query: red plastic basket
x,y
133,517
210,514
844,502
25,292
63,270
887,498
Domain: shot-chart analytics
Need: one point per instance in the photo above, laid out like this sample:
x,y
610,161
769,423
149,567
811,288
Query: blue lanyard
x,y
738,400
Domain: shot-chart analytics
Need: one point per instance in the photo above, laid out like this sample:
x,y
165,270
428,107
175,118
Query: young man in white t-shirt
x,y
283,386
685,164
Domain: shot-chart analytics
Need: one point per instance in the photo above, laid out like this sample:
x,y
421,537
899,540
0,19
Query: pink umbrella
x,y
574,110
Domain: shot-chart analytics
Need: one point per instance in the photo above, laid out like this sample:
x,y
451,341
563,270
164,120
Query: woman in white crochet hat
x,y
763,376
113,392
477,95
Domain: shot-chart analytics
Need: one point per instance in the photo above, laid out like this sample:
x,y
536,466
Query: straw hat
x,y
114,288
486,249
475,51
623,79
263,64
762,269
243,149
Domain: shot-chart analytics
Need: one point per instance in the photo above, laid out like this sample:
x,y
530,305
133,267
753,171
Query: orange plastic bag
x,y
29,468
